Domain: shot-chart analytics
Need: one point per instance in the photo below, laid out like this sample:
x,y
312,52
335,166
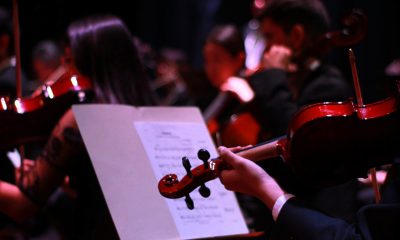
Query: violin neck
x,y
265,150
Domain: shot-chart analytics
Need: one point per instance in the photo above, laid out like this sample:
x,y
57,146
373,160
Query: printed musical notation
x,y
165,144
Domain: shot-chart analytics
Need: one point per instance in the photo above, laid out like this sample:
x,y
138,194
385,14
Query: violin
x,y
237,129
326,144
353,31
33,118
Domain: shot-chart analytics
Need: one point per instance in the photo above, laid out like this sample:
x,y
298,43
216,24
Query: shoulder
x,y
379,221
328,84
67,121
329,72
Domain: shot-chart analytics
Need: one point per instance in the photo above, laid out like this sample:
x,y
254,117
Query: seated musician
x,y
103,51
224,58
293,75
297,219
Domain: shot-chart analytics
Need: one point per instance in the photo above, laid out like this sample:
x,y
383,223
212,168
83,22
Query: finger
x,y
239,148
246,147
230,157
234,149
228,179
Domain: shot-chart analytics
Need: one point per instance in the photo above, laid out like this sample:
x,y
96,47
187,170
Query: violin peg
x,y
204,155
189,202
186,164
204,191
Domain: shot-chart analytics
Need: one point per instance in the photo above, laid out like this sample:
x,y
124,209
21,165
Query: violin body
x,y
231,124
331,143
240,129
32,119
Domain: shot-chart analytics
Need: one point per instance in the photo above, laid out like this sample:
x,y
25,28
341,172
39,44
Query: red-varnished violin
x,y
326,144
29,119
32,119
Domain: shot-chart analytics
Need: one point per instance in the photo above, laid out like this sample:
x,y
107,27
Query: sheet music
x,y
165,144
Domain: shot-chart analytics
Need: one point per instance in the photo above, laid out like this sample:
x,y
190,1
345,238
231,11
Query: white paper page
x,y
165,144
125,174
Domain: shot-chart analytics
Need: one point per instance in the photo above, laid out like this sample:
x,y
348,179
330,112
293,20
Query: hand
x,y
380,177
28,164
248,178
278,56
240,87
239,148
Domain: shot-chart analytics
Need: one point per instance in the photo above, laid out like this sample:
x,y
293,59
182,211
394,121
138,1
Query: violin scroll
x,y
170,187
353,31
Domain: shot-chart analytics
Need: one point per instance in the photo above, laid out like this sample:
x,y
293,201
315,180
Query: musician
x,y
101,48
297,219
224,62
292,74
224,58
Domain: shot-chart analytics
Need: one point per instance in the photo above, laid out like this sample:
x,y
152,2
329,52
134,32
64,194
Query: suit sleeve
x,y
274,105
298,221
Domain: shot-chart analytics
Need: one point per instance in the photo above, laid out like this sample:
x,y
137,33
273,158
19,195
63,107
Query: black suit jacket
x,y
297,220
374,222
275,104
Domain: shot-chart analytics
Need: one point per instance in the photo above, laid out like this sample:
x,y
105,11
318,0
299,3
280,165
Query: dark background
x,y
183,24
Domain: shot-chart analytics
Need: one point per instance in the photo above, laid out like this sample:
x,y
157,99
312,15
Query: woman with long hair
x,y
101,49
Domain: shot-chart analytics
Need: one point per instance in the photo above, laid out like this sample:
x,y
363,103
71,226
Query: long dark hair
x,y
102,49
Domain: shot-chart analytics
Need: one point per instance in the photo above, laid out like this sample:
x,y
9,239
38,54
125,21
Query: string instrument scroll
x,y
353,31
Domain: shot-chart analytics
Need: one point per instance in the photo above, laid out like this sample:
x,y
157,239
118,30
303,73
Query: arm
x,y
248,178
276,102
296,219
273,105
23,201
14,203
